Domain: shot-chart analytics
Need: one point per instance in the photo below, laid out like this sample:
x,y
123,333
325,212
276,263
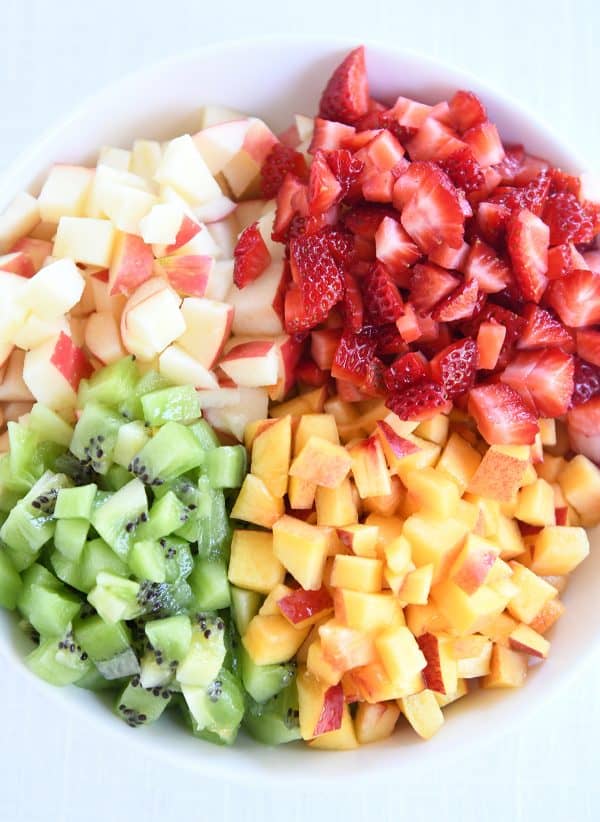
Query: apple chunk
x,y
208,325
252,364
54,290
65,192
183,168
188,274
131,264
151,319
258,306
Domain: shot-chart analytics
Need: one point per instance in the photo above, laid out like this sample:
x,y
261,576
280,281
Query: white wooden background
x,y
52,55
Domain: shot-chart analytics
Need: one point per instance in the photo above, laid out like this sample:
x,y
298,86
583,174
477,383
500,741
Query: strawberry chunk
x,y
583,424
568,219
388,340
394,247
466,111
353,358
420,401
280,161
501,415
588,345
447,257
308,371
532,196
251,256
560,261
352,303
491,220
381,297
542,378
323,188
464,170
528,239
346,169
586,381
346,95
433,141
432,213
576,298
490,339
316,273
543,330
330,136
455,366
458,305
407,370
364,219
485,143
429,284
290,194
485,267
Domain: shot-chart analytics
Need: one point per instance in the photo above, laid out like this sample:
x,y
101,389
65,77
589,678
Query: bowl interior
x,y
274,79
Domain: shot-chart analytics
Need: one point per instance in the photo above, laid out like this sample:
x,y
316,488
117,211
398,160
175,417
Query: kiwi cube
x,y
147,560
205,435
131,438
49,610
141,706
70,536
166,515
179,403
204,659
116,520
96,557
264,681
111,386
49,425
75,503
275,722
10,582
170,637
95,436
25,464
244,606
108,646
216,709
115,598
172,451
209,584
59,662
226,466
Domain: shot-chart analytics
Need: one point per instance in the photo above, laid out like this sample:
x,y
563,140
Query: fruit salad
x,y
300,432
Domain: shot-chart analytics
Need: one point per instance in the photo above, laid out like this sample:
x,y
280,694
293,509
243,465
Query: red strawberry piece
x,y
447,257
429,284
591,259
251,256
464,170
568,219
388,340
542,378
329,136
71,361
501,415
340,244
383,153
352,358
280,161
466,111
365,219
407,370
408,113
485,143
588,345
409,182
408,324
432,215
576,298
533,196
308,371
441,112
586,381
491,220
512,162
323,345
301,605
378,187
458,305
490,339
323,188
543,330
433,141
365,249
348,392
381,297
485,267
455,366
346,95
287,206
352,303
565,183
560,261
394,247
346,169
316,272
528,239
583,424
420,401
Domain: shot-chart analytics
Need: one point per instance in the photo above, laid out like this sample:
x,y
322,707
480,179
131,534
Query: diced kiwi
x,y
75,503
108,646
216,709
70,536
206,654
179,403
10,491
96,557
25,465
164,599
46,603
116,520
165,516
141,706
275,722
178,558
147,560
131,438
115,598
209,584
205,435
95,436
171,452
226,466
10,582
93,680
169,641
115,478
49,425
112,386
59,662
244,606
264,681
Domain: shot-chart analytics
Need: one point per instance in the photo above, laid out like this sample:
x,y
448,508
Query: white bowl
x,y
274,79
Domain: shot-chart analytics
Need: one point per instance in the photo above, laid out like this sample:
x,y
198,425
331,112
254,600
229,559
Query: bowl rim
x,y
31,156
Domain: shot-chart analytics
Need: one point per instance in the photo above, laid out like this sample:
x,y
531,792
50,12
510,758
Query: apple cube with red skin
x,y
103,338
303,608
64,192
85,240
152,319
19,218
251,364
54,289
257,307
52,372
208,326
188,274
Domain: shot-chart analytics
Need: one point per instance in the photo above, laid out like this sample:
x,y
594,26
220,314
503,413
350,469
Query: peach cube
x,y
388,528
435,541
422,619
434,429
400,653
434,491
398,554
416,586
473,655
369,468
344,739
465,612
271,453
366,612
508,669
498,628
256,504
508,538
500,473
361,538
344,647
551,467
423,713
533,593
252,564
547,616
335,506
386,504
318,665
357,573
474,563
459,460
302,549
315,425
321,462
536,503
580,482
270,605
528,641
375,722
462,689
271,639
559,549
440,675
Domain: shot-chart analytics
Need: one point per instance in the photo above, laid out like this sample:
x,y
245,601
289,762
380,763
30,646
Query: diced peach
x,y
508,538
434,491
535,504
366,612
375,722
528,641
398,554
472,654
547,616
315,425
369,468
440,674
473,564
271,452
465,612
416,586
316,399
254,428
399,653
422,619
559,581
335,506
270,606
508,669
302,549
357,573
361,539
426,456
434,429
311,696
533,593
318,666
321,462
470,515
462,689
498,628
295,407
301,494
580,482
256,504
434,541
547,430
271,639
500,473
423,713
344,647
551,468
253,565
489,511
344,739
459,460
559,550
387,504
388,528
375,685
342,412
394,581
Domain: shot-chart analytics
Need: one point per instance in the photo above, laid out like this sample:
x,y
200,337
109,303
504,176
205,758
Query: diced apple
x,y
19,218
45,381
252,405
131,264
218,214
213,115
103,338
188,275
12,311
183,168
219,143
54,290
252,564
12,386
152,319
302,548
85,240
17,262
208,325
243,169
161,225
145,157
181,369
113,157
256,504
251,364
35,330
65,192
508,669
258,305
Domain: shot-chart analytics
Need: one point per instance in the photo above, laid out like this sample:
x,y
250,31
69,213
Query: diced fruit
x,y
559,550
253,565
508,669
532,593
302,549
423,713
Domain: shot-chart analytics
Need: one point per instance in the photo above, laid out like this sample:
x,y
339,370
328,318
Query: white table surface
x,y
53,54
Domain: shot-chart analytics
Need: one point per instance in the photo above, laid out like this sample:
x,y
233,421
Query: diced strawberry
x,y
544,378
352,358
464,170
332,712
586,382
381,297
576,298
316,272
307,371
323,345
388,340
407,370
501,415
455,366
364,219
394,247
323,188
568,219
588,345
487,268
591,259
543,330
560,261
429,284
565,183
583,424
512,163
352,303
383,153
346,95
348,392
409,113
491,220
71,361
433,141
432,214
533,196
408,324
466,111
420,401
287,198
346,169
329,136
490,339
447,257
458,305
378,187
251,256
485,143
365,249
280,160
528,239
441,112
